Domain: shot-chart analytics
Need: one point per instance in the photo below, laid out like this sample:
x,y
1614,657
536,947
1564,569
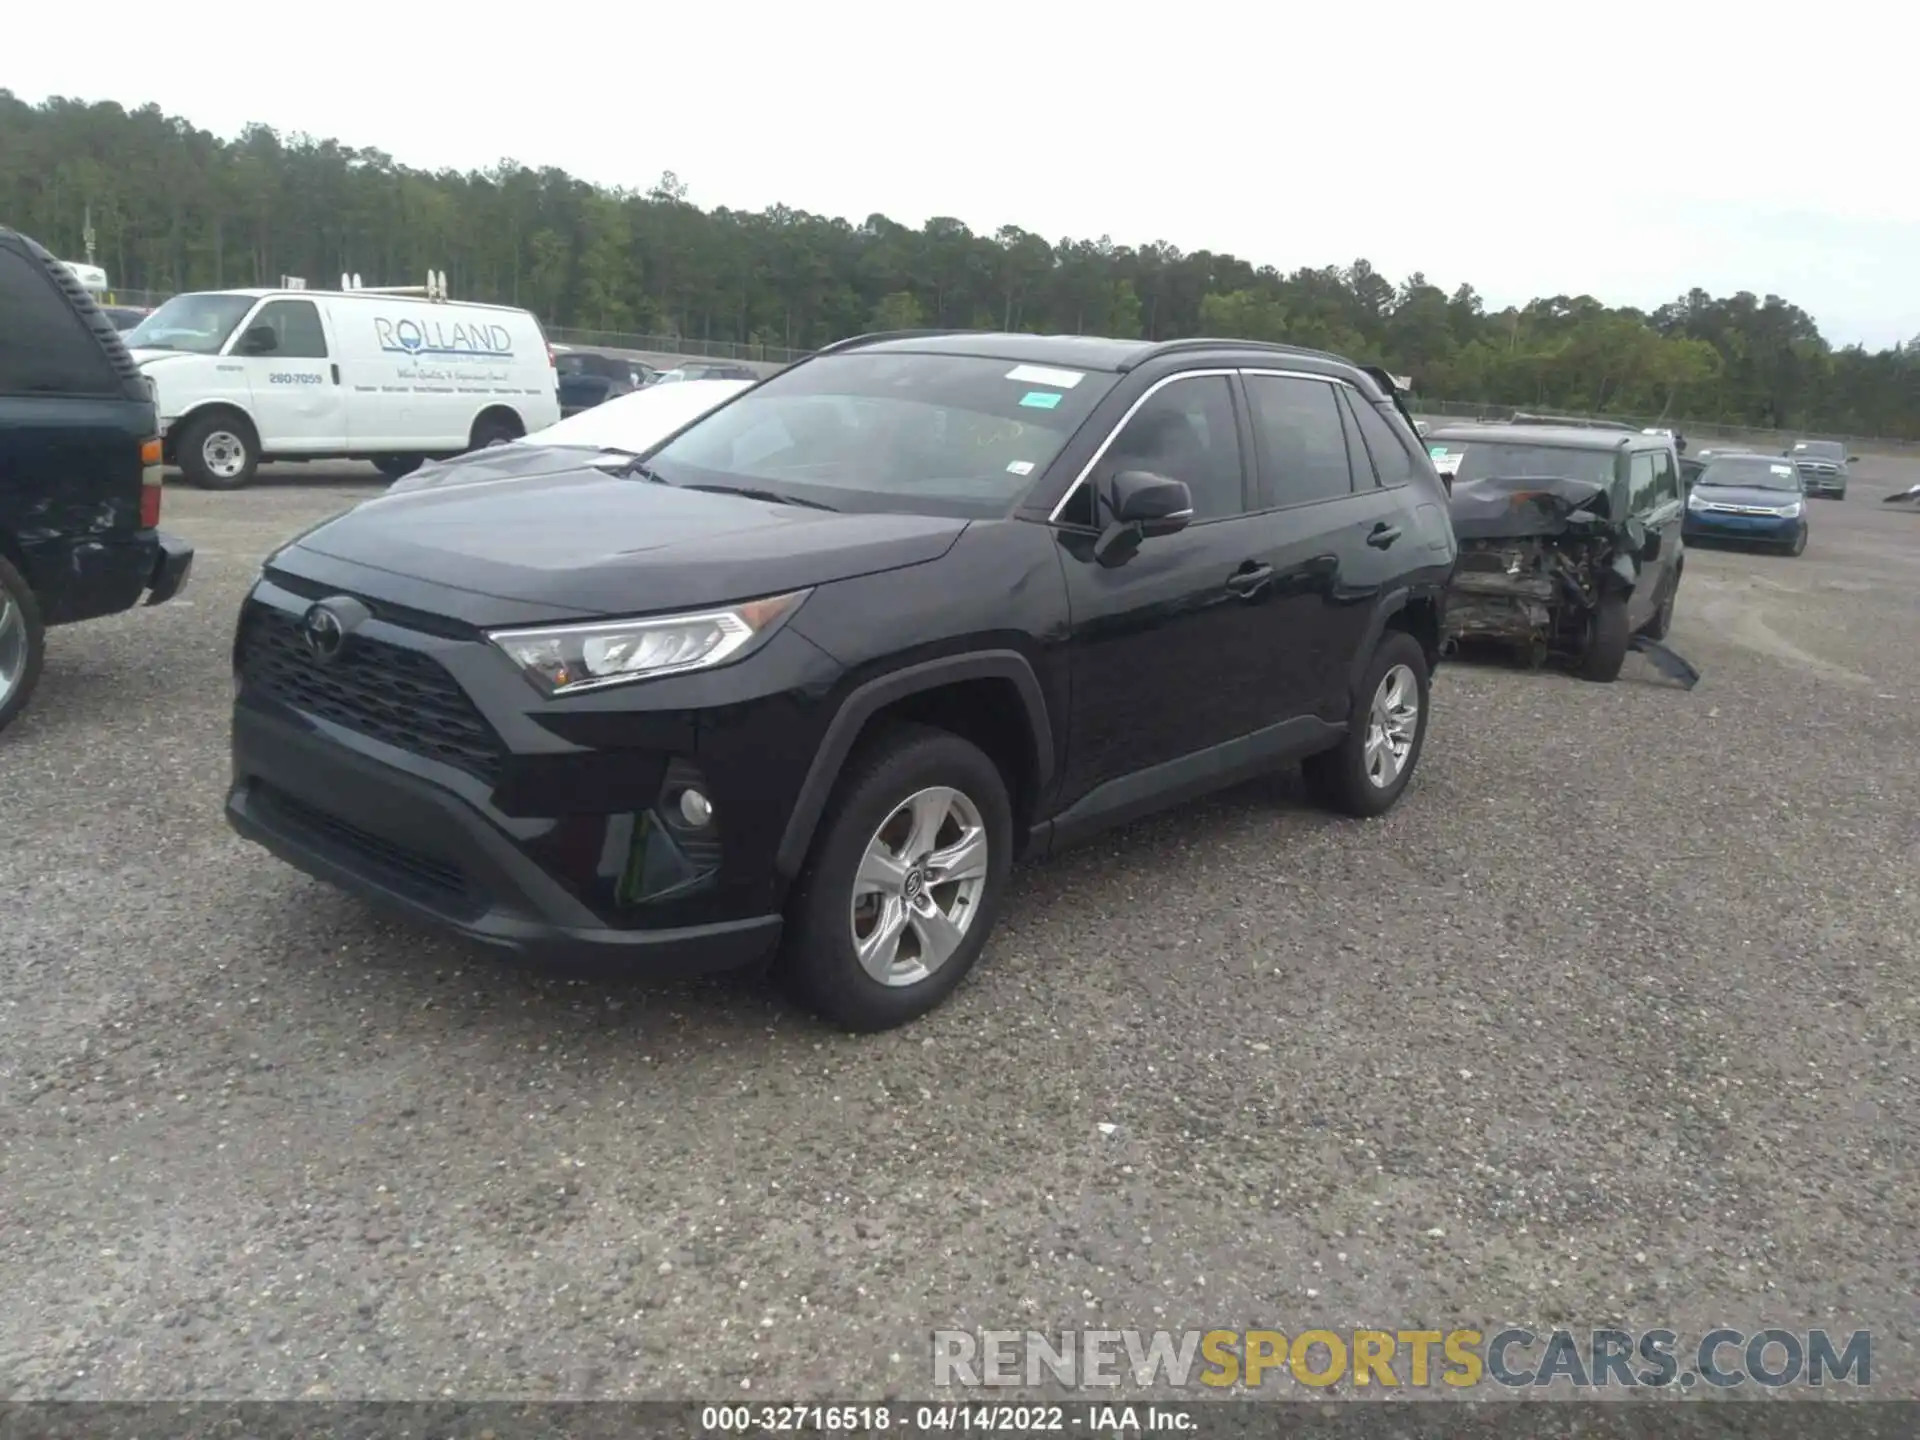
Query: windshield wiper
x,y
772,496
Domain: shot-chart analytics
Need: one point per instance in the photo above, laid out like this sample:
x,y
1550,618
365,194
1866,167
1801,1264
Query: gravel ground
x,y
1612,1020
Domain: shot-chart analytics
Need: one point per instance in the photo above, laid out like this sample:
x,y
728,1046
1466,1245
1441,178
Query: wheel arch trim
x,y
869,698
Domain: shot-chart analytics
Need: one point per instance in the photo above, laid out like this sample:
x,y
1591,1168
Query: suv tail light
x,y
149,484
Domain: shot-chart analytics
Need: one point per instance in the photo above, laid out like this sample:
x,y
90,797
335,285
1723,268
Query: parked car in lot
x,y
708,370
1822,465
608,436
802,681
79,469
1755,498
1570,539
246,376
588,378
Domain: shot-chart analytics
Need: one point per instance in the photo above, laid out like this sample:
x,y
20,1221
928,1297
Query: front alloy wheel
x,y
919,886
903,880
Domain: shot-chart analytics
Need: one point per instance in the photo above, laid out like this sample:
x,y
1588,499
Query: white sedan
x,y
616,429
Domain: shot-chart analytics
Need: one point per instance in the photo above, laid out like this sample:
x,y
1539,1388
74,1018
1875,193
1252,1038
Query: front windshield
x,y
955,435
1500,460
196,323
1820,449
1751,472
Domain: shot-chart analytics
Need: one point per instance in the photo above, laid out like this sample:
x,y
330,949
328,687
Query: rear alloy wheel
x,y
1367,771
23,643
1608,639
904,882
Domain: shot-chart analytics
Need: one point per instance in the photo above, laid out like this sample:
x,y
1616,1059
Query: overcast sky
x,y
1627,151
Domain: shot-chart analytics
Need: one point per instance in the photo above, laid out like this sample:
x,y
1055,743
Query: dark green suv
x,y
79,468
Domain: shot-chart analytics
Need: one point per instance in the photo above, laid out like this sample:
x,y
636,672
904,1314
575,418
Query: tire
x,y
832,907
218,452
1662,621
1608,637
23,643
1348,778
492,430
394,466
1797,545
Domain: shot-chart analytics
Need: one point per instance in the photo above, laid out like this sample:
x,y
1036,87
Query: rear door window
x,y
1390,458
45,348
1302,443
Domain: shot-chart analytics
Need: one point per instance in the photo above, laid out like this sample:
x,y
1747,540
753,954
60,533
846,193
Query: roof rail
x,y
854,342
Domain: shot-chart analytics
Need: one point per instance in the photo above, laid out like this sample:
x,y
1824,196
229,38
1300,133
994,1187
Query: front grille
x,y
398,865
401,697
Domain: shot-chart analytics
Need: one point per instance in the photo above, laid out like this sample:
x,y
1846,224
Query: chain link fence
x,y
682,347
1696,431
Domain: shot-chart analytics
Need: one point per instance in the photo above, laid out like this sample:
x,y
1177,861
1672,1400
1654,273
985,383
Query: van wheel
x,y
904,882
218,452
1365,774
23,643
1608,638
492,430
394,466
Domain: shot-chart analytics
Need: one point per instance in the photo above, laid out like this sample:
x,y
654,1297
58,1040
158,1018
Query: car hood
x,y
515,460
1746,495
1502,507
599,544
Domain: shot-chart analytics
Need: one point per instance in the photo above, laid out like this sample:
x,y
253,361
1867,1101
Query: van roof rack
x,y
434,289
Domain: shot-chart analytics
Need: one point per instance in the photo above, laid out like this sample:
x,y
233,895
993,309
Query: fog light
x,y
695,808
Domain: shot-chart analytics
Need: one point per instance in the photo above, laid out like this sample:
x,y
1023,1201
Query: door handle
x,y
1383,535
336,374
1250,579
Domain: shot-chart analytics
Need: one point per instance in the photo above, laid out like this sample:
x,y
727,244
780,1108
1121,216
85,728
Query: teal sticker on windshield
x,y
1040,399
1436,451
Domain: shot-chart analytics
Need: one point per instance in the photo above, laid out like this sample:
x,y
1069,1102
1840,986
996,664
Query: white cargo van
x,y
243,376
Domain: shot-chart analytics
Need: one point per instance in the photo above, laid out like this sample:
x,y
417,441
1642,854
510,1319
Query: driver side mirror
x,y
260,340
1143,506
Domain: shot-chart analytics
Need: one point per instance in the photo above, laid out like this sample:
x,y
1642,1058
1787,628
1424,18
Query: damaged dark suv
x,y
1570,540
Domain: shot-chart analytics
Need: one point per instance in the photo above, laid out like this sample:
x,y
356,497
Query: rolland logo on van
x,y
434,337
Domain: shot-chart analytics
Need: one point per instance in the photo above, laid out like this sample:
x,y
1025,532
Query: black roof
x,y
1563,437
1081,352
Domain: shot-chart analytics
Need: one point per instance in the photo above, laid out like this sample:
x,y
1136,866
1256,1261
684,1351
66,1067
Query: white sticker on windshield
x,y
1020,467
1041,375
1447,464
1781,469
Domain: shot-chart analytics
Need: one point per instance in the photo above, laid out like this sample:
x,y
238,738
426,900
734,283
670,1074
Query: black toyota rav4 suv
x,y
800,682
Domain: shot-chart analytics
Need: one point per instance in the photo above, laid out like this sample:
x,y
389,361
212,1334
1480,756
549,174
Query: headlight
x,y
1694,502
566,659
1790,510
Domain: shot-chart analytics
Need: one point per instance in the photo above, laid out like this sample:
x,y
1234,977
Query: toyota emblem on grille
x,y
322,631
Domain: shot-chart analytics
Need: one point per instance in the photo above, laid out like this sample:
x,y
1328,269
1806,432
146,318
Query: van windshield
x,y
196,323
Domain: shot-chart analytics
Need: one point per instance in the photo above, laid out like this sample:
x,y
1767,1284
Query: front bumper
x,y
425,852
1720,525
1835,485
